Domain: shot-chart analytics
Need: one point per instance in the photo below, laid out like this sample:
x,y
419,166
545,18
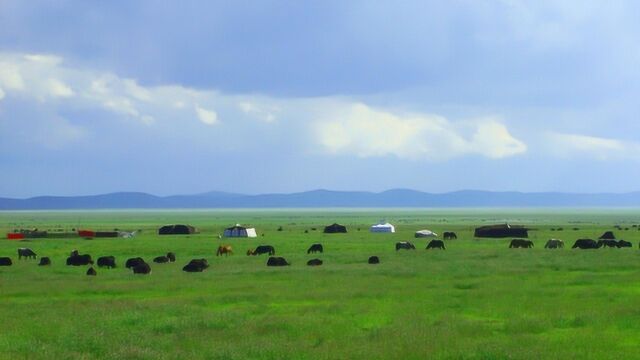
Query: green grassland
x,y
476,300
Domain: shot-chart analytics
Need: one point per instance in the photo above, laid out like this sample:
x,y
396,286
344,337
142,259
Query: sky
x,y
285,96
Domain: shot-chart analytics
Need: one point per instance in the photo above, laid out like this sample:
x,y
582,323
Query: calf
x,y
5,261
521,243
405,245
315,248
161,259
314,262
449,235
92,272
44,261
373,260
107,261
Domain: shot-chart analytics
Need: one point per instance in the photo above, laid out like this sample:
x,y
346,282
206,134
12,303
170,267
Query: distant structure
x,y
240,231
335,229
424,233
382,227
608,235
177,229
501,231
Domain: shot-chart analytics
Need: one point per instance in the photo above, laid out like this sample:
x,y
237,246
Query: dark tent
x,y
335,228
501,231
607,236
177,230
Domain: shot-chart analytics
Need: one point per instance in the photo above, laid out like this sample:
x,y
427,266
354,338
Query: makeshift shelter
x,y
382,228
86,233
335,228
425,233
177,229
106,234
239,231
608,235
501,231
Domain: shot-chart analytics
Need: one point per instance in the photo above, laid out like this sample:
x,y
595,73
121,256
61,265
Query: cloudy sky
x,y
282,96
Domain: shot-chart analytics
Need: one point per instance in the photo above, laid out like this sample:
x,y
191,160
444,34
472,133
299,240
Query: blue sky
x,y
284,96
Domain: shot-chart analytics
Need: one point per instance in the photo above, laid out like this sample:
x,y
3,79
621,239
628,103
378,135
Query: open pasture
x,y
476,300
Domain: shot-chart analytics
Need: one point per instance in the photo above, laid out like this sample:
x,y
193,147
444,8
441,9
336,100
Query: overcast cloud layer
x,y
264,96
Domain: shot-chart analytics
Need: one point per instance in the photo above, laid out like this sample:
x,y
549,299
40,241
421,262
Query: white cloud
x,y
599,148
493,140
59,89
339,126
10,77
208,117
262,112
366,132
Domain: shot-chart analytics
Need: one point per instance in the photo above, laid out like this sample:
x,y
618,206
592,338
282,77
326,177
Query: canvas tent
x,y
239,231
425,233
177,229
382,227
335,228
607,236
501,231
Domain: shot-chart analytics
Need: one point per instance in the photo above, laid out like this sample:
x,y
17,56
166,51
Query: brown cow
x,y
224,250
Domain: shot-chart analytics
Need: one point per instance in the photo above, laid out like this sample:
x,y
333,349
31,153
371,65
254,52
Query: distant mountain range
x,y
323,198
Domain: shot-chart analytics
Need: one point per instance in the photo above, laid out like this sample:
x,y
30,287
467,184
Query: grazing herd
x,y
139,266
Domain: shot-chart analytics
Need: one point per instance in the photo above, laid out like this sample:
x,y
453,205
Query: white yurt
x,y
382,227
425,233
240,231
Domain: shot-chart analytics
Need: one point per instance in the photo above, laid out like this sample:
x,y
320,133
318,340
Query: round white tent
x,y
382,228
425,233
240,231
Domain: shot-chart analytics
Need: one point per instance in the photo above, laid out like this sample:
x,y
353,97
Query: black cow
x,y
196,265
143,268
5,261
521,243
26,253
622,243
315,248
585,244
607,243
262,249
171,256
161,259
133,262
554,244
373,260
79,260
44,261
405,245
107,261
449,235
92,272
277,261
314,262
436,244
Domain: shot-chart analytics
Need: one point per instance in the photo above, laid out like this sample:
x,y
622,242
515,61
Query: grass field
x,y
476,300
